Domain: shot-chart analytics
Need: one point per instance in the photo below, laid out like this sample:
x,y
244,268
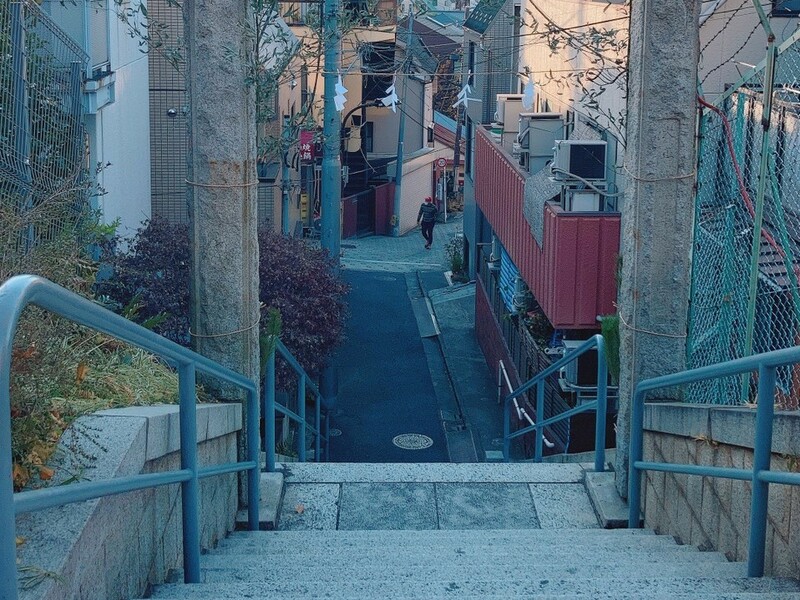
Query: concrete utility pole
x,y
658,211
331,133
222,180
401,131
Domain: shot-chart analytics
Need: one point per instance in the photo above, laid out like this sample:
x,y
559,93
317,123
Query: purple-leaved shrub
x,y
151,283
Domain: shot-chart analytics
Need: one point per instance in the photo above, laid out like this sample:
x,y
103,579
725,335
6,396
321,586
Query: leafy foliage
x,y
296,280
609,327
152,279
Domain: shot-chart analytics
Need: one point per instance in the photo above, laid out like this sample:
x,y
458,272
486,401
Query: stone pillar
x,y
222,194
657,214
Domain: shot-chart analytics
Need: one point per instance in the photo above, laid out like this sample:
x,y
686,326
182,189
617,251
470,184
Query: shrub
x,y
454,250
151,280
296,279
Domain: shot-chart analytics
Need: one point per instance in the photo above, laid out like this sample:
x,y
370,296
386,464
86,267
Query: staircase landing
x,y
434,496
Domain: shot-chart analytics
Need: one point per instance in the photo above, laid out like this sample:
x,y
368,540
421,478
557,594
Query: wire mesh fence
x,y
744,169
43,181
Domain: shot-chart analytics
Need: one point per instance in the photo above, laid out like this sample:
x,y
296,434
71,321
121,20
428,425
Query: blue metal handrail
x,y
599,405
23,290
304,383
759,475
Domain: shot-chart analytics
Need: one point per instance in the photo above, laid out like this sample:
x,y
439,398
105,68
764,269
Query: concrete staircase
x,y
456,531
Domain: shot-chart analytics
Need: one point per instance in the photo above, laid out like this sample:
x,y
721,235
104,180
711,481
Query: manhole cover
x,y
335,432
412,441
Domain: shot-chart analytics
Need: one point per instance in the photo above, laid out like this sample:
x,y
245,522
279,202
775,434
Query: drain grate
x,y
412,441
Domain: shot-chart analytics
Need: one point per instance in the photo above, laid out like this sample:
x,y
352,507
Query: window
x,y
367,134
378,67
471,61
785,8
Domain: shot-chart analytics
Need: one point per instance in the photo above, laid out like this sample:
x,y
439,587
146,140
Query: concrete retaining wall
x,y
713,512
116,547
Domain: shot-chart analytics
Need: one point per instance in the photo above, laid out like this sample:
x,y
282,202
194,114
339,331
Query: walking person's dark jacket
x,y
427,212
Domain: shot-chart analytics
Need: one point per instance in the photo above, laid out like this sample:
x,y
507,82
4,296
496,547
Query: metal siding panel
x,y
565,275
608,252
587,252
548,270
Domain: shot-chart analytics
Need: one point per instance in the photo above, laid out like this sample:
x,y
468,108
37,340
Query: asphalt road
x,y
385,386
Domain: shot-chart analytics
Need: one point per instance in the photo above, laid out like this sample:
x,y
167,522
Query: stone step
x,y
522,586
572,554
220,571
408,536
430,473
467,555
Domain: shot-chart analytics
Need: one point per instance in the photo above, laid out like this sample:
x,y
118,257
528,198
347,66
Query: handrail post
x,y
318,427
636,451
537,457
301,411
507,431
765,412
190,489
8,535
269,412
602,407
499,381
327,434
254,455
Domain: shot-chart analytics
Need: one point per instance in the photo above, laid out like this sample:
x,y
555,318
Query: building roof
x,y
482,15
437,44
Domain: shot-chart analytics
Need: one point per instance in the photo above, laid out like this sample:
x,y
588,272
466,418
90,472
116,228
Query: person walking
x,y
427,214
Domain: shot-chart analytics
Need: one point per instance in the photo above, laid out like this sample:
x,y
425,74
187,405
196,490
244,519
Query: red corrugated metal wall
x,y
573,275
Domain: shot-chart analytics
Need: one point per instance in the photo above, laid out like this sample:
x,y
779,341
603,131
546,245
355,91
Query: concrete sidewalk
x,y
404,254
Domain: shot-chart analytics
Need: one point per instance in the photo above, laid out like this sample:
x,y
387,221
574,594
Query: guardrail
x,y
600,405
23,290
304,383
760,475
522,414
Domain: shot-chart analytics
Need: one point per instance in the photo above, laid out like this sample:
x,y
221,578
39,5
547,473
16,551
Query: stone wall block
x,y
794,529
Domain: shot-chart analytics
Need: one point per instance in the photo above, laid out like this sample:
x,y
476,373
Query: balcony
x,y
571,269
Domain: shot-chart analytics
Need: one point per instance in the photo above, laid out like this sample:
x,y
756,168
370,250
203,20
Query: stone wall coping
x,y
162,423
733,425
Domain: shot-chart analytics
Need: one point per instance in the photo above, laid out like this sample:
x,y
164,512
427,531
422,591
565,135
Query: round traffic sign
x,y
441,162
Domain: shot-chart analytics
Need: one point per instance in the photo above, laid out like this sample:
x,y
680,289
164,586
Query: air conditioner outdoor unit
x,y
574,160
582,201
508,108
538,133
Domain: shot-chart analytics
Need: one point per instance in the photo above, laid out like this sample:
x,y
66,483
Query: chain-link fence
x,y
739,171
42,148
